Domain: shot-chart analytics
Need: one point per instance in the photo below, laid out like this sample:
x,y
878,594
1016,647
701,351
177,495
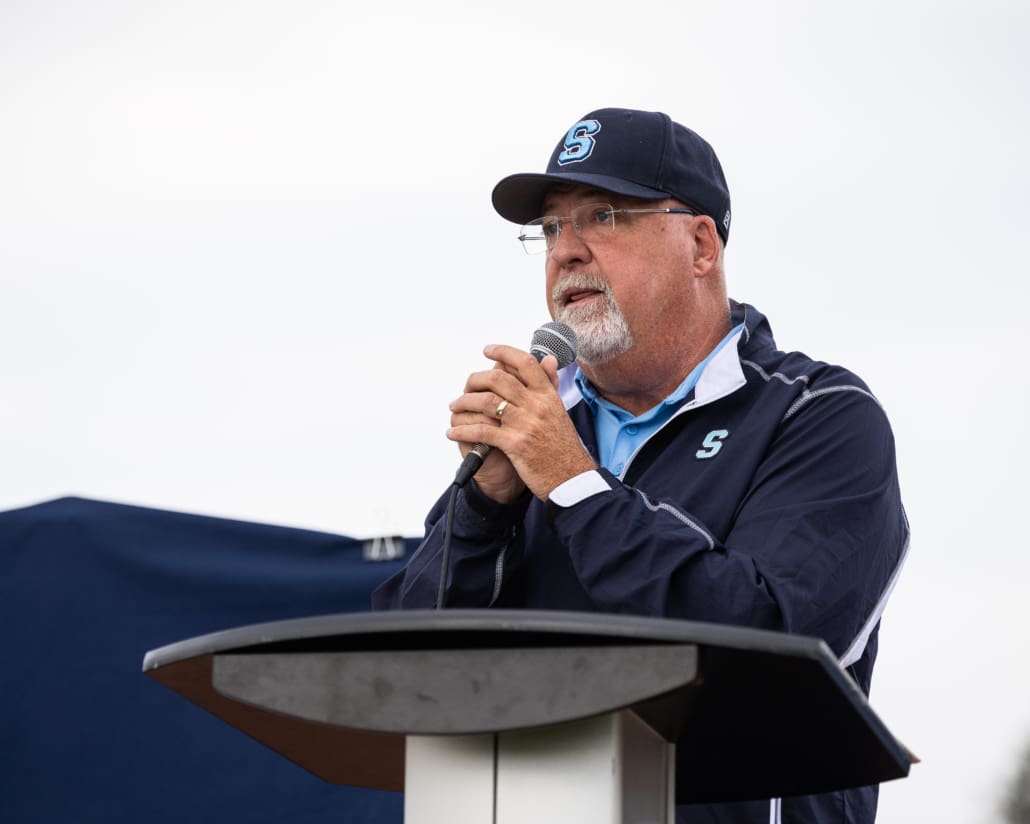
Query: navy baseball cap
x,y
626,152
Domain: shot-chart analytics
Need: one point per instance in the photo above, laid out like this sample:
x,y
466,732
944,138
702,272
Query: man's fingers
x,y
487,404
520,364
500,382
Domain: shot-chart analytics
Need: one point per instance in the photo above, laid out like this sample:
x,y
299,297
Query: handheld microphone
x,y
553,338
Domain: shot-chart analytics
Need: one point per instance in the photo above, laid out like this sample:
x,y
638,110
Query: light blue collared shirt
x,y
620,434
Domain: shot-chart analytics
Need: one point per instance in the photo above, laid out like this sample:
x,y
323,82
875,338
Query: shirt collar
x,y
723,366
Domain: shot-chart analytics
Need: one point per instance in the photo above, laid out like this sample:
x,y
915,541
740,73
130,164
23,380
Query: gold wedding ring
x,y
500,409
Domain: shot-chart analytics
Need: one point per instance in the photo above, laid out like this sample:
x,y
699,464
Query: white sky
x,y
247,257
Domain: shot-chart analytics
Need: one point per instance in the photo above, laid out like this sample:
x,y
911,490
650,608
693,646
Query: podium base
x,y
610,769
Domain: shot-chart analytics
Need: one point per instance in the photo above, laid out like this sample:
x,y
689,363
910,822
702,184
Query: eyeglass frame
x,y
561,219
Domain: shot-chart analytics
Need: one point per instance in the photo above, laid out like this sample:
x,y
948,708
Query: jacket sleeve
x,y
812,548
482,531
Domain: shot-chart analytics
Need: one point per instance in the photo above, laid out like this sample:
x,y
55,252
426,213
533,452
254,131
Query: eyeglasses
x,y
591,221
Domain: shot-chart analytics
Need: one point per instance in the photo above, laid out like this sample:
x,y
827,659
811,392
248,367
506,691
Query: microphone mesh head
x,y
556,339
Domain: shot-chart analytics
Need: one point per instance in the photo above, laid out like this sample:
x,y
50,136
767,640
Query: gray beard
x,y
601,330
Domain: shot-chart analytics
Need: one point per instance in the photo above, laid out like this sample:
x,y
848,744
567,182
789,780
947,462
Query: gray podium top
x,y
754,714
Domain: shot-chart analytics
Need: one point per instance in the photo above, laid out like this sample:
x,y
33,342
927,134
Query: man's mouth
x,y
574,296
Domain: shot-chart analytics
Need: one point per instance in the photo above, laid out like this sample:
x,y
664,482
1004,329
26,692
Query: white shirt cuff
x,y
579,488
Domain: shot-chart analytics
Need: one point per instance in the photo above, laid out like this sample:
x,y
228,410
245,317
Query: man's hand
x,y
534,442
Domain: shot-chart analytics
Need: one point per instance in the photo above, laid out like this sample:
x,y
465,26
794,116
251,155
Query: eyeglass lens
x,y
590,221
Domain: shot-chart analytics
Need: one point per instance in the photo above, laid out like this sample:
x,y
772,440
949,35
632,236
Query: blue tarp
x,y
86,589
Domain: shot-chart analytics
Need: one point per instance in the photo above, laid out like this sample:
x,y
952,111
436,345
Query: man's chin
x,y
601,335
583,319
594,352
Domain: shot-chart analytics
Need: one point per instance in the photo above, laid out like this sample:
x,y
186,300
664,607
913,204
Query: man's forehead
x,y
570,191
574,193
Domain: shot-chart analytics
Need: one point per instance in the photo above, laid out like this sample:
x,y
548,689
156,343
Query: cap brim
x,y
518,197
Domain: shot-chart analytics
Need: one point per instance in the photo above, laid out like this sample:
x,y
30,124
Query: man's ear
x,y
707,245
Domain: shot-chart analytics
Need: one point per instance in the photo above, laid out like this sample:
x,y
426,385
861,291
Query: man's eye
x,y
551,228
602,217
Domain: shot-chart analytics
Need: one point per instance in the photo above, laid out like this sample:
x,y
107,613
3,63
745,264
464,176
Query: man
x,y
687,468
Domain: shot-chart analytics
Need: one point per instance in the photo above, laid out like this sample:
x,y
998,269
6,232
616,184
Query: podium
x,y
531,716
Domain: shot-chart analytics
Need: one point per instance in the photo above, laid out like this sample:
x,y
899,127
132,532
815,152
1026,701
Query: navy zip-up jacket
x,y
769,500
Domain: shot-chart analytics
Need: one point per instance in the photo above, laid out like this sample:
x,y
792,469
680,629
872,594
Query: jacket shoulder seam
x,y
811,394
